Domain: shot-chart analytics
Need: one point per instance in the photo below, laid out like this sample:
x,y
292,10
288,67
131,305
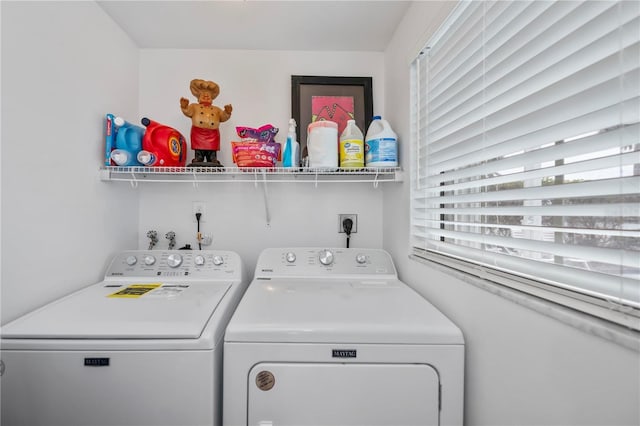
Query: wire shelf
x,y
136,174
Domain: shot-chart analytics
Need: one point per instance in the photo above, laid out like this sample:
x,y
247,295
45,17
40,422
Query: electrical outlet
x,y
342,217
198,207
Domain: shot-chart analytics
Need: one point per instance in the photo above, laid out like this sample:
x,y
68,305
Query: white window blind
x,y
526,148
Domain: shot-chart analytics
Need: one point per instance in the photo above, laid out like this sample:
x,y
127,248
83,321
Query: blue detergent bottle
x,y
110,138
128,143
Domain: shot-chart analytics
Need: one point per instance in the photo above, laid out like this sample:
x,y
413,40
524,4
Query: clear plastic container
x,y
322,144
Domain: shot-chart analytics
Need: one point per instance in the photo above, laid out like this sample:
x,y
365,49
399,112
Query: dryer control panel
x,y
201,264
325,262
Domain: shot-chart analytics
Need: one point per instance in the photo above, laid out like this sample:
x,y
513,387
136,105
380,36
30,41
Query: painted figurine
x,y
205,119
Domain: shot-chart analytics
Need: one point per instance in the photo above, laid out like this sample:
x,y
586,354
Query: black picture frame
x,y
304,87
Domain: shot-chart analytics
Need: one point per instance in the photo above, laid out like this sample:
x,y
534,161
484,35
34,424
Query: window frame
x,y
591,304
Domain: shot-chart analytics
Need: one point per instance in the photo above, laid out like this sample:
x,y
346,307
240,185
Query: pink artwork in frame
x,y
334,98
338,109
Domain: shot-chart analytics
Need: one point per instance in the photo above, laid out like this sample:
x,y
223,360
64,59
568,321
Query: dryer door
x,y
305,394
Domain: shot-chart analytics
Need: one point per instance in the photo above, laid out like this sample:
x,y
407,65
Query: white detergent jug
x,y
381,144
322,144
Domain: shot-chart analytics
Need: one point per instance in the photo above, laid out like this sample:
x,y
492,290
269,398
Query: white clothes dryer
x,y
142,347
332,337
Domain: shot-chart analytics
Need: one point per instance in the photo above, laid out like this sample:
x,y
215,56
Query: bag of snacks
x,y
255,154
266,133
257,148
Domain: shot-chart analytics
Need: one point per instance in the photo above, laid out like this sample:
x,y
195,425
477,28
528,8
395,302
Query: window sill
x,y
609,331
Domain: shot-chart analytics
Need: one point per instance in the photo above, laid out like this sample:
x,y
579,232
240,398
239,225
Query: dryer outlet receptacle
x,y
354,219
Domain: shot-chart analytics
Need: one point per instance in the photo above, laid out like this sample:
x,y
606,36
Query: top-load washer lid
x,y
338,311
128,311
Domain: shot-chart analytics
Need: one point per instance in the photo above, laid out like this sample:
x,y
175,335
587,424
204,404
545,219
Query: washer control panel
x,y
175,263
323,262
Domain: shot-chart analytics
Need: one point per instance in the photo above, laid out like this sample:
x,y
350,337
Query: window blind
x,y
526,147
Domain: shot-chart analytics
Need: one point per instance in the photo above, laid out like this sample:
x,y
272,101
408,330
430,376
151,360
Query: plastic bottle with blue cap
x,y
291,155
381,144
128,142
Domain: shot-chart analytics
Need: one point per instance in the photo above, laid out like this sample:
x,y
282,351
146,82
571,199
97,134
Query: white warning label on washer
x,y
168,290
134,291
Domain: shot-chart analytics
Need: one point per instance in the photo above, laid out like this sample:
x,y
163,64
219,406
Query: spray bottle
x,y
291,156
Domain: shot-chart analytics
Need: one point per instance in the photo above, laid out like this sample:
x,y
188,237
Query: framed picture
x,y
335,99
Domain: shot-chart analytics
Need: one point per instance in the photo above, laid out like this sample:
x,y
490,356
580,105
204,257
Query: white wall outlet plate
x,y
342,217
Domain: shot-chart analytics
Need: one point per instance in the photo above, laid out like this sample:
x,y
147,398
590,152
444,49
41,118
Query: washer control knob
x,y
149,260
174,260
326,257
199,260
361,258
131,260
291,257
218,260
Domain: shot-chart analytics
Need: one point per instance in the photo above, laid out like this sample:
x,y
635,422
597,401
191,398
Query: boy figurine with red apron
x,y
205,119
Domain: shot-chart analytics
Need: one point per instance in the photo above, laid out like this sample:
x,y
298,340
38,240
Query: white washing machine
x,y
142,347
333,338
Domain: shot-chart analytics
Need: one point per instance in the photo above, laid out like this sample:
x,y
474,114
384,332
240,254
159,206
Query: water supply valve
x,y
153,238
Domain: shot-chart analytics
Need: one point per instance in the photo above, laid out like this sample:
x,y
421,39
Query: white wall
x,y
522,368
64,66
258,85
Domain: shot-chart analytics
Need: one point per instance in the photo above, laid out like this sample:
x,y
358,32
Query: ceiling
x,y
259,24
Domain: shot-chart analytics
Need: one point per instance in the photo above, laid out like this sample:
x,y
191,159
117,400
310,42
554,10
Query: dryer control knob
x,y
326,257
291,257
361,258
149,260
174,260
131,260
218,260
199,260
